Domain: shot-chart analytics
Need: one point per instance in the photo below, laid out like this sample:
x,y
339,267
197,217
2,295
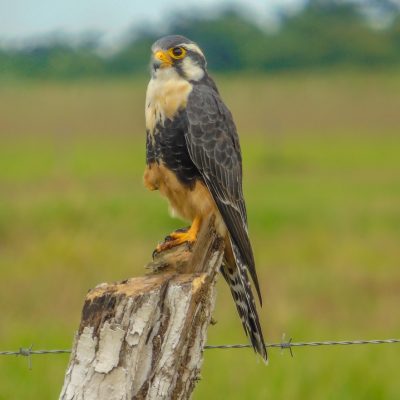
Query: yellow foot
x,y
188,235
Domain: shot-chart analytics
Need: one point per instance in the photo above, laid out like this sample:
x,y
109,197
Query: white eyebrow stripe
x,y
193,47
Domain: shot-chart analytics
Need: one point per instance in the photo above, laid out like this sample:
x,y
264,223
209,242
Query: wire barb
x,y
286,345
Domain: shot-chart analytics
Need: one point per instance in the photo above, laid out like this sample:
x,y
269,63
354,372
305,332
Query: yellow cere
x,y
163,57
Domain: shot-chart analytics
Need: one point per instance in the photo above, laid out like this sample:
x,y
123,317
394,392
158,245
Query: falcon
x,y
193,158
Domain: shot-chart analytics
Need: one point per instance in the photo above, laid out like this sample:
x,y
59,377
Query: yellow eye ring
x,y
177,52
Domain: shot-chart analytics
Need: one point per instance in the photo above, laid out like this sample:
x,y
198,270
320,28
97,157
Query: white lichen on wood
x,y
144,338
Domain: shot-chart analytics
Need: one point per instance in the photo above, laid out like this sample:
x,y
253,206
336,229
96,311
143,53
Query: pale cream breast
x,y
167,93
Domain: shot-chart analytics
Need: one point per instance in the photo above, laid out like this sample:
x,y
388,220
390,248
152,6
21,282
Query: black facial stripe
x,y
196,57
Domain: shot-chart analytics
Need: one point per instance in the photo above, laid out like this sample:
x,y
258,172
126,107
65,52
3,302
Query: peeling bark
x,y
143,338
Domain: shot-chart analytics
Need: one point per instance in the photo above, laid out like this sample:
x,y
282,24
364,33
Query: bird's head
x,y
177,54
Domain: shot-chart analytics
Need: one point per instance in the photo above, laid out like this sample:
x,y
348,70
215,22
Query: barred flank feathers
x,y
238,281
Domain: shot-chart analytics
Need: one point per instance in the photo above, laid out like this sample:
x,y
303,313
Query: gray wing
x,y
214,148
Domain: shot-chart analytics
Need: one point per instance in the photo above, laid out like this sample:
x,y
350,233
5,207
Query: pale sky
x,y
27,19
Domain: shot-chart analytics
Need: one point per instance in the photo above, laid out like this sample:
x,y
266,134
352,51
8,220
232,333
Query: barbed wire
x,y
28,352
283,345
289,344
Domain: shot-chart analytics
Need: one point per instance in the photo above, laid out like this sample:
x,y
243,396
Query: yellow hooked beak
x,y
164,58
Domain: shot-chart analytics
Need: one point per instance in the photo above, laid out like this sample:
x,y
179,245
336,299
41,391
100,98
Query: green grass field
x,y
322,183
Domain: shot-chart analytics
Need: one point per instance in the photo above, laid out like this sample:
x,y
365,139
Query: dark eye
x,y
177,51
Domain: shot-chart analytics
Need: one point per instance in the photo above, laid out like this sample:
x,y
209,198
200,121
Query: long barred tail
x,y
238,281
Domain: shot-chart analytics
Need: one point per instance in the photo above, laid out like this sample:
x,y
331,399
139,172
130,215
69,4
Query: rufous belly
x,y
185,202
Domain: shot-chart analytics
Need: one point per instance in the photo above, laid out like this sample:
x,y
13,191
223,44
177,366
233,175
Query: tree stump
x,y
143,338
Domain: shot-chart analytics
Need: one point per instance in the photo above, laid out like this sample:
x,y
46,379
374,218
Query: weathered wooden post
x,y
143,338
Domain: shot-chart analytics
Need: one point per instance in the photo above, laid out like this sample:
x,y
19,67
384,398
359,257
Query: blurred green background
x,y
317,105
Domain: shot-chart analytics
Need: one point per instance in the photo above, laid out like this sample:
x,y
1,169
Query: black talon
x,y
182,230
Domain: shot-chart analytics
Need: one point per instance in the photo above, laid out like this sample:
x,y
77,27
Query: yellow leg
x,y
177,238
